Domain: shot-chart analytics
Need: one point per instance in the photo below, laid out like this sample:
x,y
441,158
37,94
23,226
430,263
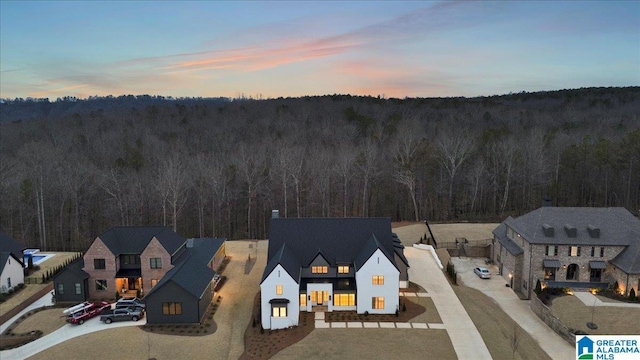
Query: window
x,y
130,259
303,299
344,299
551,250
278,289
343,269
279,311
378,280
9,282
154,282
593,251
377,303
98,264
101,285
171,308
602,251
155,263
60,289
319,269
78,289
574,250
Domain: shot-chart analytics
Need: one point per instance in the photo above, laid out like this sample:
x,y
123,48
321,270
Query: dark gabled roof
x,y
8,244
134,239
368,250
501,234
287,260
192,273
614,229
341,239
398,248
76,269
3,259
629,260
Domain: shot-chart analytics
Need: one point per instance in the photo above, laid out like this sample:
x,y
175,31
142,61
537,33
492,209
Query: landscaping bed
x,y
408,310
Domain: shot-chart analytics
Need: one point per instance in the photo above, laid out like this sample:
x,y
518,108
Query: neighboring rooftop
x,y
134,239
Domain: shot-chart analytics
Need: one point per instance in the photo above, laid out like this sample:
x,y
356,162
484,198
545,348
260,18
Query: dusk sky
x,y
396,49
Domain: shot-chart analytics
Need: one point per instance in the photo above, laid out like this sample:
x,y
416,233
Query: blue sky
x,y
271,49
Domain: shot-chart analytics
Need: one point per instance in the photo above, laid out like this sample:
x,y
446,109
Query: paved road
x,y
464,335
63,334
518,310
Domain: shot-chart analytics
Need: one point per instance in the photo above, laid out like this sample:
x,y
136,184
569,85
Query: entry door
x,y
132,282
320,297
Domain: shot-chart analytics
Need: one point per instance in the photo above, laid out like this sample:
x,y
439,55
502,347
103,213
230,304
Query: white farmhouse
x,y
330,264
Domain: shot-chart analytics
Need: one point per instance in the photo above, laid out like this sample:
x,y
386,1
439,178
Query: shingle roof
x,y
8,244
75,268
368,250
134,239
288,261
501,234
340,240
192,273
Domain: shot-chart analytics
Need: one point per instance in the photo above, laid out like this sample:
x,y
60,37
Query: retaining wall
x,y
545,314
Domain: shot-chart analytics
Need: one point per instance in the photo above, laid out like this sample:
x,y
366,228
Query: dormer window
x,y
343,269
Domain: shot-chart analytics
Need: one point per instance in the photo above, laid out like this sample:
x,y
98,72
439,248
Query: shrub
x,y
538,288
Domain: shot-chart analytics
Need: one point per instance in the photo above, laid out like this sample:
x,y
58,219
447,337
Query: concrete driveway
x,y
518,310
464,335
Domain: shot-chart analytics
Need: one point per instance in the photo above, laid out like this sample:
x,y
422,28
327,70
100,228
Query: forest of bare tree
x,y
71,169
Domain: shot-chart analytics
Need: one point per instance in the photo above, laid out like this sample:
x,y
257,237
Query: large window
x,y
60,289
343,269
130,259
319,269
171,308
78,288
377,303
551,250
344,299
574,250
99,264
303,299
278,289
153,282
279,310
101,285
155,263
377,280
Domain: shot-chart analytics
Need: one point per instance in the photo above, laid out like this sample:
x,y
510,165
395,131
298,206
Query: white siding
x,y
12,269
378,264
290,291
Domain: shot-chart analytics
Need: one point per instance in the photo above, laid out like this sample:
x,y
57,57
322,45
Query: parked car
x,y
482,272
132,313
82,312
125,303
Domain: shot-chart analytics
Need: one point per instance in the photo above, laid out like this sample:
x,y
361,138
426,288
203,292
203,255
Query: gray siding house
x,y
71,284
185,292
576,247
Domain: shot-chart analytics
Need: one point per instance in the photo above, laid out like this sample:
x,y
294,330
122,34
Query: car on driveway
x,y
82,312
482,272
125,303
132,313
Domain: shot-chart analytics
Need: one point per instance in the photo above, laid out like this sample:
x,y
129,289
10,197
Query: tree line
x,y
218,167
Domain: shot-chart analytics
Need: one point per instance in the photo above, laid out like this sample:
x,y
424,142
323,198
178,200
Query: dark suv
x,y
127,303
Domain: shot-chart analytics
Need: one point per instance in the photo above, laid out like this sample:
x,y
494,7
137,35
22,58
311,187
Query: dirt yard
x,y
411,233
610,320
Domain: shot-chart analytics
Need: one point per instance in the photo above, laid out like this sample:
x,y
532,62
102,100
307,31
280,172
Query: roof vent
x,y
594,231
572,232
548,230
189,243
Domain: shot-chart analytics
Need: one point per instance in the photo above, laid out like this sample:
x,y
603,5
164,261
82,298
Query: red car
x,y
80,313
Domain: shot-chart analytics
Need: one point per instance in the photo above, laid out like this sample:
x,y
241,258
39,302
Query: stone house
x,y
569,247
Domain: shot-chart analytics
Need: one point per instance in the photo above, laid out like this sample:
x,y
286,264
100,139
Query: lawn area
x,y
611,320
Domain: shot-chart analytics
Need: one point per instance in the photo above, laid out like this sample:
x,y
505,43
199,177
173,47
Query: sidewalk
x,y
589,299
464,335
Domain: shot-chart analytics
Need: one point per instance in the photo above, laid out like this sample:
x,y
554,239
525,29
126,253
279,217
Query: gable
x,y
378,260
134,239
340,240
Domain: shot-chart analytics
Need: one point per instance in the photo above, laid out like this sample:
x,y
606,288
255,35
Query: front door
x,y
596,275
132,282
319,297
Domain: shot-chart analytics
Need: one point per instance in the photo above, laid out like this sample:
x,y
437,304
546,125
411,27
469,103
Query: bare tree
x,y
345,161
173,184
454,148
406,150
367,163
252,167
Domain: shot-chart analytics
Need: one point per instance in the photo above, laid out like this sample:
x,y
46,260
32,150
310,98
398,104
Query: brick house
x,y
129,259
569,247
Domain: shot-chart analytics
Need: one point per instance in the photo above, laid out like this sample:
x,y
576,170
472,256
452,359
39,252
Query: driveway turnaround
x,y
464,335
64,333
519,310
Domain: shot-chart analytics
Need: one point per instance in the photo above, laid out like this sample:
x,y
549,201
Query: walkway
x,y
63,334
591,300
519,310
464,335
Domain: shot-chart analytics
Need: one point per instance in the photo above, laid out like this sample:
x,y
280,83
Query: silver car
x,y
482,272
